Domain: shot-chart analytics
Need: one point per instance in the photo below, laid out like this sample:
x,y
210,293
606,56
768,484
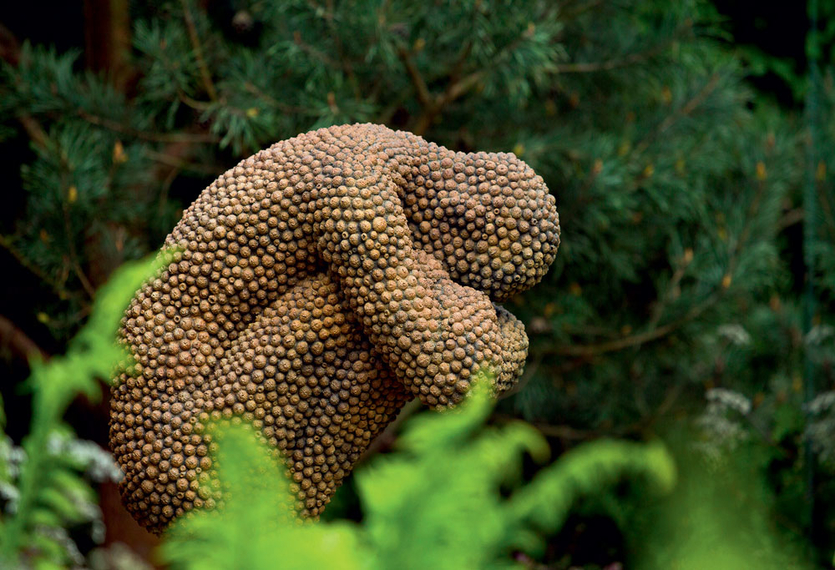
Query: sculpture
x,y
315,288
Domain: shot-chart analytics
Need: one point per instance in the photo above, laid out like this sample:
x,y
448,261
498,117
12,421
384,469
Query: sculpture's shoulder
x,y
289,163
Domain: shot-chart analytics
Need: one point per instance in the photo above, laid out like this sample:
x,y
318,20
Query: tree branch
x,y
566,14
790,218
347,67
312,51
18,341
456,87
10,53
569,433
422,92
173,160
684,111
635,340
593,66
57,287
205,75
74,261
454,90
625,61
145,135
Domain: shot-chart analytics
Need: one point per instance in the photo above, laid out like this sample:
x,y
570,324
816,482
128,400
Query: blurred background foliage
x,y
689,145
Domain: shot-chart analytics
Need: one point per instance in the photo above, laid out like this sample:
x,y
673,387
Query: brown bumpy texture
x,y
314,289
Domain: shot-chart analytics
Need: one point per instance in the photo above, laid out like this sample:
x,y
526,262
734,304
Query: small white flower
x,y
817,335
821,403
729,400
734,334
98,463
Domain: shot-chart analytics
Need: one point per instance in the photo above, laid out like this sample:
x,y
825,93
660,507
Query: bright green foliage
x,y
255,528
450,496
50,491
719,515
434,503
584,471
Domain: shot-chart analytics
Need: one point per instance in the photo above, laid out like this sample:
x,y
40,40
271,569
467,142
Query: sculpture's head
x,y
489,218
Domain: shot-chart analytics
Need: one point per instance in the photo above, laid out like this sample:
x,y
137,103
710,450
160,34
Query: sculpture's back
x,y
315,288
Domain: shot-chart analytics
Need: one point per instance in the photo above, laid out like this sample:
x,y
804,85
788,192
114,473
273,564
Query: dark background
x,y
777,28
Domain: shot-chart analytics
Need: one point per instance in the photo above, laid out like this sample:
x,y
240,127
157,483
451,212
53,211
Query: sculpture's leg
x,y
302,372
305,375
162,458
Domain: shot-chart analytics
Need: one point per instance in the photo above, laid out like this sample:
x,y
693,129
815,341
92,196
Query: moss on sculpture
x,y
316,288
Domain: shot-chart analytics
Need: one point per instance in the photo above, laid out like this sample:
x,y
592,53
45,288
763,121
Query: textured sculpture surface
x,y
316,288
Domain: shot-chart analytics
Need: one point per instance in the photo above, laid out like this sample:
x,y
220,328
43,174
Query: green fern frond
x,y
52,492
255,526
434,503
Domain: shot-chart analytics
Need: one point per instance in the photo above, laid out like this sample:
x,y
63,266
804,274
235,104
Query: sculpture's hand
x,y
514,342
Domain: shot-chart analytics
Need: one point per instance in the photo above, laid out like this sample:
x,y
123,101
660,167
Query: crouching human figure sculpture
x,y
314,289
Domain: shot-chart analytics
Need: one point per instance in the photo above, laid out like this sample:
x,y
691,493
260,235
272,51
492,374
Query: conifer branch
x,y
422,92
180,164
146,135
827,207
346,66
10,53
33,129
687,109
312,51
56,287
433,107
18,341
638,339
623,61
570,433
669,293
281,106
454,90
205,75
74,262
790,218
626,61
566,14
193,103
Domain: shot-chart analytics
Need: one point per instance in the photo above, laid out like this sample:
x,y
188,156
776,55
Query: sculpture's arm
x,y
432,338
